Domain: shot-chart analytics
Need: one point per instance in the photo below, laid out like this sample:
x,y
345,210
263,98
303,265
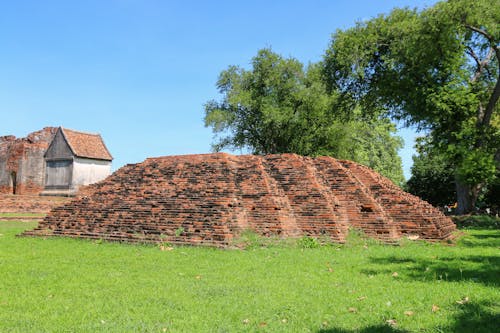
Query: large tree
x,y
438,69
280,106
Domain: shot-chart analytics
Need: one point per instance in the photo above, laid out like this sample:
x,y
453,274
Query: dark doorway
x,y
58,174
13,181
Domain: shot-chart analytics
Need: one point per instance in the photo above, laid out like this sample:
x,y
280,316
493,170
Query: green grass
x,y
67,285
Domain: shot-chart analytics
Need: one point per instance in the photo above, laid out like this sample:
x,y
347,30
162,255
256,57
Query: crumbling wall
x,y
22,164
210,199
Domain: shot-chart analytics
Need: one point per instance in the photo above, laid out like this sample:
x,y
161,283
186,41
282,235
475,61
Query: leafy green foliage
x,y
437,69
477,222
308,242
281,107
492,196
179,231
433,179
62,285
432,175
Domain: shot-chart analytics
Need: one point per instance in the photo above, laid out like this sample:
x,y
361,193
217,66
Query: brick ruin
x,y
10,203
210,199
22,162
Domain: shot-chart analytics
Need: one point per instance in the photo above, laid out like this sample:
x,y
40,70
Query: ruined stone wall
x,y
24,158
210,199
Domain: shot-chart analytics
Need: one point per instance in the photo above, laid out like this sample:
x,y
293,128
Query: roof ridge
x,y
80,132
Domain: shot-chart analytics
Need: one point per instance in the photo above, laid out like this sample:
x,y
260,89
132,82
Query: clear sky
x,y
139,71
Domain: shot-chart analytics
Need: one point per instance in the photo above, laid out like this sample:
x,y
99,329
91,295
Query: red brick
x,y
212,198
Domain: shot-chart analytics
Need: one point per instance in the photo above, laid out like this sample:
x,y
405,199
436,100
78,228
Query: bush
x,y
308,243
477,221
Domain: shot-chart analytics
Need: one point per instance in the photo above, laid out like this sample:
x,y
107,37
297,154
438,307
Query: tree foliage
x,y
280,106
437,69
433,179
432,175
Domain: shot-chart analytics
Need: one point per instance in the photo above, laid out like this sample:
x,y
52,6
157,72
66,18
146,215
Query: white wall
x,y
86,171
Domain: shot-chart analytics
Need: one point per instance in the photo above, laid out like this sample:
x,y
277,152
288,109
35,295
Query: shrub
x,y
308,242
477,221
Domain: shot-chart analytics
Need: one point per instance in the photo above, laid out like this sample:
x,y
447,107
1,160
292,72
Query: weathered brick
x,y
22,159
210,199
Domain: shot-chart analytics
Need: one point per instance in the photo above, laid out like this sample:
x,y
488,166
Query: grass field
x,y
67,285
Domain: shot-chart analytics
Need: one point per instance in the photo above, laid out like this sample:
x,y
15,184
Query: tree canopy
x,y
437,69
281,106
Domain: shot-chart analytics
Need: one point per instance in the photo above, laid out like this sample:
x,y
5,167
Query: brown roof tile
x,y
87,145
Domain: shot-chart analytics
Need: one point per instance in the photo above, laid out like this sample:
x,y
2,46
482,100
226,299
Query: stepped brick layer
x,y
210,199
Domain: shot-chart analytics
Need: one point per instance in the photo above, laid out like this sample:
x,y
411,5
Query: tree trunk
x,y
467,196
464,200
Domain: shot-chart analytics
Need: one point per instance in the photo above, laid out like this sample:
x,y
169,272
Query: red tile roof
x,y
86,145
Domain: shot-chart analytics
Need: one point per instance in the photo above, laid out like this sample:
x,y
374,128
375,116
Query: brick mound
x,y
210,199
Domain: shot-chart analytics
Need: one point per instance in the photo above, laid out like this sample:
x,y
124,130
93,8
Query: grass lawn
x,y
68,285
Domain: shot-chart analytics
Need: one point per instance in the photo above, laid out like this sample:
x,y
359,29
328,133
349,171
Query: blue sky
x,y
139,71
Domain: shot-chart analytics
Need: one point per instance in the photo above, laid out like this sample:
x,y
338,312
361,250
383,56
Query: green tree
x,y
432,175
281,107
437,69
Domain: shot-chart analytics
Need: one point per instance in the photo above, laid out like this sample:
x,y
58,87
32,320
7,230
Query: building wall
x,y
11,152
31,171
23,158
4,173
5,178
88,171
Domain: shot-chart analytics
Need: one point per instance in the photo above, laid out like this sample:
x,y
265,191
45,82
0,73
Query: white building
x,y
74,159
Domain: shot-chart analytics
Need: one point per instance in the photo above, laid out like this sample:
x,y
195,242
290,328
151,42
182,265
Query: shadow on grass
x,y
369,329
481,238
481,269
477,318
464,266
472,317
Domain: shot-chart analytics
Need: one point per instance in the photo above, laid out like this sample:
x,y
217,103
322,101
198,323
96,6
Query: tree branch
x,y
493,43
491,104
481,32
470,51
481,65
495,49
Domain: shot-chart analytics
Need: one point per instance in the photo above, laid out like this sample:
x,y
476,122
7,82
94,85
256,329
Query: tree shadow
x,y
369,329
463,266
481,239
473,265
471,317
477,318
480,269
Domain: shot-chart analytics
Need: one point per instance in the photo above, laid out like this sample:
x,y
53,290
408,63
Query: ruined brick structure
x,y
53,161
210,199
22,162
10,203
